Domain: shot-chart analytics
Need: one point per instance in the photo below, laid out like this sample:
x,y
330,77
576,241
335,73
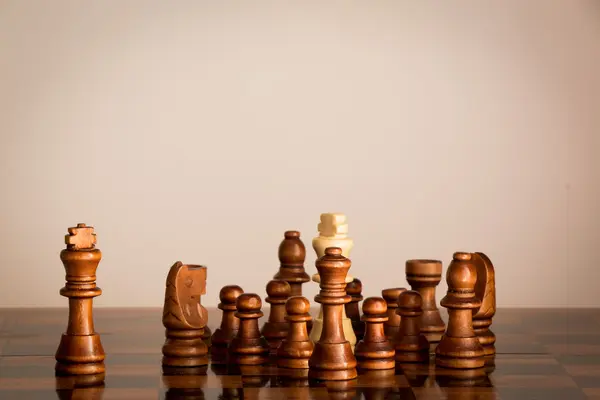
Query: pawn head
x,y
229,294
374,306
278,288
291,250
354,287
297,305
391,295
249,302
461,273
410,299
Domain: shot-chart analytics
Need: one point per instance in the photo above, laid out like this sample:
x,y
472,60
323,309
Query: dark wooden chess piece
x,y
332,357
459,347
374,351
248,347
295,350
80,351
424,276
485,290
354,290
411,345
184,317
276,327
392,326
230,324
292,255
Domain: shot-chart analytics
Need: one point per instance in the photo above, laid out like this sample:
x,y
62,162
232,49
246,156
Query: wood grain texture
x,y
184,317
80,351
459,347
332,357
541,353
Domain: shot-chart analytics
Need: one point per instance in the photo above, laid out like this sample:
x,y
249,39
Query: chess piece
x,y
459,347
248,347
392,326
410,343
332,357
184,317
207,336
485,290
292,255
354,290
374,351
296,349
276,327
230,324
80,351
423,276
333,232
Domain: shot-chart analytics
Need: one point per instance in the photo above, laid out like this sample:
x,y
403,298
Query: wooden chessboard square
x,y
585,375
436,393
506,365
541,392
569,338
31,345
592,393
518,343
573,349
148,343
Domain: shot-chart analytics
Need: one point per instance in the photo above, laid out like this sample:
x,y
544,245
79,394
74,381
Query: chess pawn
x,y
292,254
392,326
276,327
424,276
296,349
248,347
184,317
374,351
410,344
485,290
80,351
354,290
459,347
332,358
333,232
230,324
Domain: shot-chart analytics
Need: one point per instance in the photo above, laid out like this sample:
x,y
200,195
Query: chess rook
x,y
295,350
374,351
248,347
354,290
392,326
184,317
230,324
333,232
410,343
80,351
423,276
332,357
485,290
276,327
459,347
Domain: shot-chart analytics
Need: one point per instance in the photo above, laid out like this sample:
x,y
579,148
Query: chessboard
x,y
540,354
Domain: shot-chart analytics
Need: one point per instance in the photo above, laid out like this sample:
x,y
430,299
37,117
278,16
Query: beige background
x,y
201,131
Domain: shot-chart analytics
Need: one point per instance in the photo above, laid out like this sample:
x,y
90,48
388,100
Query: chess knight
x,y
184,317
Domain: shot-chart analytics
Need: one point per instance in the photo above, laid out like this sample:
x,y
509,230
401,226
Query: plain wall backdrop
x,y
201,131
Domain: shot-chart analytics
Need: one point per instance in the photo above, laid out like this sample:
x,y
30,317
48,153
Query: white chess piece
x,y
333,232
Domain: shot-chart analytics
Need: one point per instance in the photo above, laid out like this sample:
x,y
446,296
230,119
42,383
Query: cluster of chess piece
x,y
403,326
